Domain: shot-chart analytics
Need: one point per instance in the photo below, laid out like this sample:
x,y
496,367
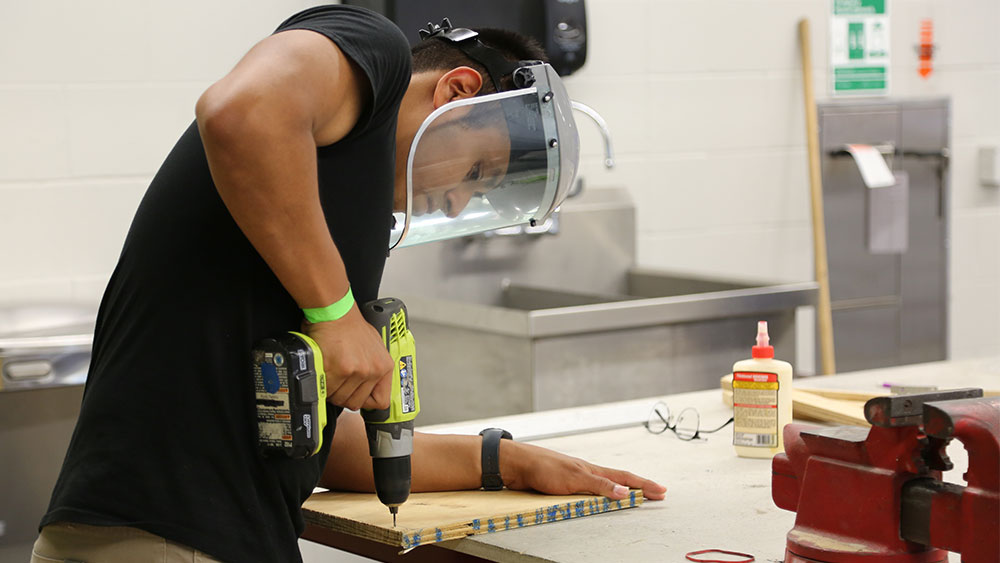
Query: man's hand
x,y
524,466
358,367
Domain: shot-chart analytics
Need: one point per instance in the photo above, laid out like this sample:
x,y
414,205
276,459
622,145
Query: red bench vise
x,y
876,495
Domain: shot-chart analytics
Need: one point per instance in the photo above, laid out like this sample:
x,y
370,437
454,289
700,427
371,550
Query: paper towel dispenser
x,y
559,25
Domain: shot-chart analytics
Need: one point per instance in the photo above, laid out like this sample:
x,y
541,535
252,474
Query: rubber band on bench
x,y
749,558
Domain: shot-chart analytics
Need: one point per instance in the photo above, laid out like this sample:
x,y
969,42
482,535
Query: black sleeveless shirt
x,y
166,439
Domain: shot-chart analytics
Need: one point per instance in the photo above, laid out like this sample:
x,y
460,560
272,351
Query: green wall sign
x,y
859,47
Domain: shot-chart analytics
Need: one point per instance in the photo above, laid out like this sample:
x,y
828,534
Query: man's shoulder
x,y
349,20
372,42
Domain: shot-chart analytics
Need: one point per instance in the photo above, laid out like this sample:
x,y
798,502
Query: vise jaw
x,y
877,496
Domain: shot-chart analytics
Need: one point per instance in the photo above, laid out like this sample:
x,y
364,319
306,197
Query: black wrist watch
x,y
491,457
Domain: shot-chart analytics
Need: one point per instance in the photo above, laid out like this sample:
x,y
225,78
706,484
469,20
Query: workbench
x,y
714,498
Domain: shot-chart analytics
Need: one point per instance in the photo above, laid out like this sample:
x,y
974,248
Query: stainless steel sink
x,y
539,348
507,325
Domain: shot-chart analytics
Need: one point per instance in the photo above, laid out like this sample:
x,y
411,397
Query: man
x,y
276,203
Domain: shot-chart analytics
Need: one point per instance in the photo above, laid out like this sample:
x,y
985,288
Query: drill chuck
x,y
392,480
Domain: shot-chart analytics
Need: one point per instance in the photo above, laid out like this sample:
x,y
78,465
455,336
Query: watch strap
x,y
491,457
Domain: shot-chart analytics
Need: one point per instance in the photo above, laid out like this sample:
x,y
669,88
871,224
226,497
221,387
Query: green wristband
x,y
331,312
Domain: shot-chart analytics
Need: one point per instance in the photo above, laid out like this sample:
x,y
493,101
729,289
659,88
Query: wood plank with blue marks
x,y
434,517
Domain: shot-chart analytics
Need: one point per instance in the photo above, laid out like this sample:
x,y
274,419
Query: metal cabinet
x,y
889,307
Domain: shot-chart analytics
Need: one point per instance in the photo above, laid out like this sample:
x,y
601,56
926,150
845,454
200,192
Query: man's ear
x,y
456,84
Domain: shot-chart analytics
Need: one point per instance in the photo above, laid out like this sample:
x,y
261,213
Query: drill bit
x,y
393,510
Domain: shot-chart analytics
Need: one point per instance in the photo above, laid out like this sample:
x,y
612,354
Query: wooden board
x,y
827,406
434,517
824,405
855,395
840,406
809,406
846,394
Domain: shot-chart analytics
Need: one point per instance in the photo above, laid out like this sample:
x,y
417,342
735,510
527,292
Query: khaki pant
x,y
64,541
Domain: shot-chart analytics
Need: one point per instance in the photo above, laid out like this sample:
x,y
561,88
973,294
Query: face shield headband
x,y
490,161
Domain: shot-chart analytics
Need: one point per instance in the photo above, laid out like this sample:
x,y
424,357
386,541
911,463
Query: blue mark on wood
x,y
546,514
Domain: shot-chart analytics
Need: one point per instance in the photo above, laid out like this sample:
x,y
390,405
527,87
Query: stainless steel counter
x,y
616,312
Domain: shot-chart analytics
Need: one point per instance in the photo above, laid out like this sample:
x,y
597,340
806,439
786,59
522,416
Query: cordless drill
x,y
291,400
390,431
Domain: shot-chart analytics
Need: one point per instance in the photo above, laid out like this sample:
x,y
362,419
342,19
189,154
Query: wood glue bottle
x,y
762,400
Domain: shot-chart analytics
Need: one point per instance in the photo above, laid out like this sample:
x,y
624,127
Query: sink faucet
x,y
609,155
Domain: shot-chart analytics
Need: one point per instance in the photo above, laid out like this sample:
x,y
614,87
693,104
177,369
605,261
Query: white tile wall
x,y
607,96
755,254
703,97
65,229
34,132
967,31
121,117
720,178
33,46
975,309
200,41
92,97
705,37
29,290
967,194
723,190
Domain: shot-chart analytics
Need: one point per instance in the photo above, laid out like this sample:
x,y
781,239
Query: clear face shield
x,y
490,162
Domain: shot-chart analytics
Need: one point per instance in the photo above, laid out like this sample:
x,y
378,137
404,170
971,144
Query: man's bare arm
x,y
442,462
260,125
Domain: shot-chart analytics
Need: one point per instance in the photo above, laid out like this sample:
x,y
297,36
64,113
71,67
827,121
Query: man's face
x,y
458,159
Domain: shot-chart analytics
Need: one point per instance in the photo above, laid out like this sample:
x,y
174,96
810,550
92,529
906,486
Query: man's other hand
x,y
528,467
358,367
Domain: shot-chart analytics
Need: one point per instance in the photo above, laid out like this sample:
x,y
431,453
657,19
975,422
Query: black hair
x,y
439,54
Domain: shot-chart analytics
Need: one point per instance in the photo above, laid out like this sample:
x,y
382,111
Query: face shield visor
x,y
489,162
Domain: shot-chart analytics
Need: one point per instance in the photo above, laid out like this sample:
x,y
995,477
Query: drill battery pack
x,y
290,387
